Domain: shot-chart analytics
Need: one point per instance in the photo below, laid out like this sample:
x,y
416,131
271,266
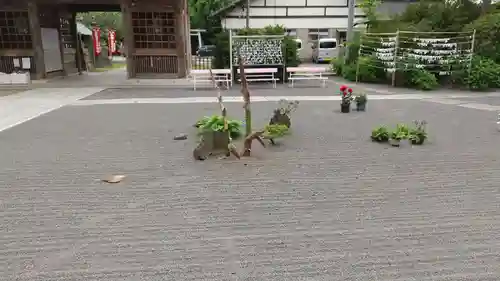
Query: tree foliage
x,y
487,35
105,21
201,17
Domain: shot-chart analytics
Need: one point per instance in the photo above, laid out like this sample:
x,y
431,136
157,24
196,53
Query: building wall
x,y
303,16
292,14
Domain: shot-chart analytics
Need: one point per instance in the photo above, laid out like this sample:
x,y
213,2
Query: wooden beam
x,y
36,37
78,44
128,37
61,12
180,23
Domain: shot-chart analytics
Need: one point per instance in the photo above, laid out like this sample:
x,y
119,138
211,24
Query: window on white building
x,y
315,34
290,32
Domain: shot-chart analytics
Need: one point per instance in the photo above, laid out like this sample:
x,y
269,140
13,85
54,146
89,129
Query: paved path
x,y
326,205
18,108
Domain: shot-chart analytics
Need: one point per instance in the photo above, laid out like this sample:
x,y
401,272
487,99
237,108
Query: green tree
x,y
450,16
105,21
201,13
369,8
487,35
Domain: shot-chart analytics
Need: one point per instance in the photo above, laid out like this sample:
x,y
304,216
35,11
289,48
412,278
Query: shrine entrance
x,y
39,36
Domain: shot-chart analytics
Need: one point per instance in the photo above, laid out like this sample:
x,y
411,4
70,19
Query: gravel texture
x,y
327,204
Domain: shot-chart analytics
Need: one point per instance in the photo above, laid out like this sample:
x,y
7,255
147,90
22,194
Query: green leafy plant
x,y
484,74
371,69
422,80
275,131
336,65
418,133
349,72
216,123
380,134
401,132
361,99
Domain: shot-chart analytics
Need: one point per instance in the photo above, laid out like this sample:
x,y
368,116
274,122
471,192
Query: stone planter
x,y
360,107
395,143
345,107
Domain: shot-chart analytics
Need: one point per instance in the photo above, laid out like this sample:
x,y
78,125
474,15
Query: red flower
x,y
344,93
350,90
343,88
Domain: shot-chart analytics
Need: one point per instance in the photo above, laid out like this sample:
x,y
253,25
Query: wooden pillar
x,y
77,43
181,17
61,13
128,37
36,37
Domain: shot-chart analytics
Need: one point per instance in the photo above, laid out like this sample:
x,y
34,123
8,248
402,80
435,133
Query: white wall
x,y
289,8
300,3
291,23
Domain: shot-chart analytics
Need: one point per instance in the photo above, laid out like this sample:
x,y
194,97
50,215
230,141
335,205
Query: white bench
x,y
306,73
203,76
261,74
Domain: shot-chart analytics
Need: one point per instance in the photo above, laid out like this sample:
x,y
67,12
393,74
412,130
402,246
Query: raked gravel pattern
x,y
326,205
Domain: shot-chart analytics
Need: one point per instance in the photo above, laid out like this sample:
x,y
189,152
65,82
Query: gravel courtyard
x,y
327,204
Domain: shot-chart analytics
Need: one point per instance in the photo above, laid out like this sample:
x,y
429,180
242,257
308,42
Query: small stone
x,y
181,137
114,179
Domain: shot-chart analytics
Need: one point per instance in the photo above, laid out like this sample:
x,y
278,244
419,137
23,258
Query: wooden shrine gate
x,y
40,35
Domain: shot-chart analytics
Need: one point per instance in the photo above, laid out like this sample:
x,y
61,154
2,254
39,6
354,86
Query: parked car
x,y
206,51
324,50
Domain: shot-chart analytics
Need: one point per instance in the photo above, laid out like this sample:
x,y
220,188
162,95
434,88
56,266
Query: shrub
x,y
353,49
336,65
487,40
422,80
221,56
290,52
349,72
484,74
370,70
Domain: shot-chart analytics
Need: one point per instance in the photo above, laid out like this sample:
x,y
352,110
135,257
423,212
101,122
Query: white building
x,y
308,20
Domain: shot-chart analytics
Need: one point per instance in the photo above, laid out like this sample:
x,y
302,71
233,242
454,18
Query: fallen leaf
x,y
114,179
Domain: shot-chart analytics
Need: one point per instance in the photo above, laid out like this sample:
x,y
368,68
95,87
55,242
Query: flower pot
x,y
395,143
360,106
345,107
417,142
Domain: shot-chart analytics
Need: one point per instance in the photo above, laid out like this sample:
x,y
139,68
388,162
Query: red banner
x,y
96,39
111,42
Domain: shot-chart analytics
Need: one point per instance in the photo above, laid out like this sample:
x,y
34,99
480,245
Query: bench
x,y
260,74
306,73
203,76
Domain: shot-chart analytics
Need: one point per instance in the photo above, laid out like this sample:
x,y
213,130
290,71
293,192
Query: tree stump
x,y
214,143
280,119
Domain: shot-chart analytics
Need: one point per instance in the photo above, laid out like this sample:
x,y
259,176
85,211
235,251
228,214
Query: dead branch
x,y
247,144
244,84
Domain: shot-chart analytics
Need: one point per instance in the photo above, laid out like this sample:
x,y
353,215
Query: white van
x,y
324,50
299,44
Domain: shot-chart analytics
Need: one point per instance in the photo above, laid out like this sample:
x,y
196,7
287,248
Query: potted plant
x,y
360,101
275,131
282,114
345,104
215,124
380,134
418,134
400,133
